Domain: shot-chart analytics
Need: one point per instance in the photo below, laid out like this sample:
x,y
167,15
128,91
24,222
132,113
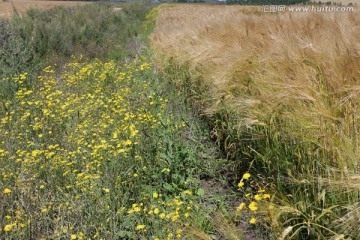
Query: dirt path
x,y
7,6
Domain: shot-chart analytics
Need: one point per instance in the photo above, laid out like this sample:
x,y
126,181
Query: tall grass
x,y
93,30
33,40
284,102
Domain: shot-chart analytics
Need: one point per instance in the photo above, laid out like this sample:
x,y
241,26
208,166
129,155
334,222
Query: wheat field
x,y
7,8
291,82
307,61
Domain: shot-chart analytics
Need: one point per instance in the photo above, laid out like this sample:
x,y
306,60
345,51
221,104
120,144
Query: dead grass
x,y
7,7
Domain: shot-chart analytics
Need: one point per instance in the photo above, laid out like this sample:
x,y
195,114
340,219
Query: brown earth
x,y
8,7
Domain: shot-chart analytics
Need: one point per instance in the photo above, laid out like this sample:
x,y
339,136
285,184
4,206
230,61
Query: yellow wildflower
x,y
266,195
138,227
253,206
257,197
6,191
187,192
240,184
8,228
246,176
240,207
253,220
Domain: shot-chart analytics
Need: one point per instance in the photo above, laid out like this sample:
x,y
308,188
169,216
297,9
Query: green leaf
x,y
200,192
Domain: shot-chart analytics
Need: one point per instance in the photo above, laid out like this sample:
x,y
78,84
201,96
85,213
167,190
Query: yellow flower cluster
x,y
255,201
162,213
63,137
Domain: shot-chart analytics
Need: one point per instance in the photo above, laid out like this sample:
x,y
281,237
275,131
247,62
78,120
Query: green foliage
x,y
92,30
16,54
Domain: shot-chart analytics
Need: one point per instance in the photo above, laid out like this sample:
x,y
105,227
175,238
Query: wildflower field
x,y
72,145
96,145
227,124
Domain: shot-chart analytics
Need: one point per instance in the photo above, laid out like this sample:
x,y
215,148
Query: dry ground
x,y
7,6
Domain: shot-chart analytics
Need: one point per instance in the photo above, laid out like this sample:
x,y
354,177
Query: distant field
x,y
7,7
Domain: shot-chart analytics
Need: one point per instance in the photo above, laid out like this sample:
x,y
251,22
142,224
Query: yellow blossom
x,y
252,220
240,207
187,192
257,197
246,176
253,206
6,191
138,227
266,195
8,228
